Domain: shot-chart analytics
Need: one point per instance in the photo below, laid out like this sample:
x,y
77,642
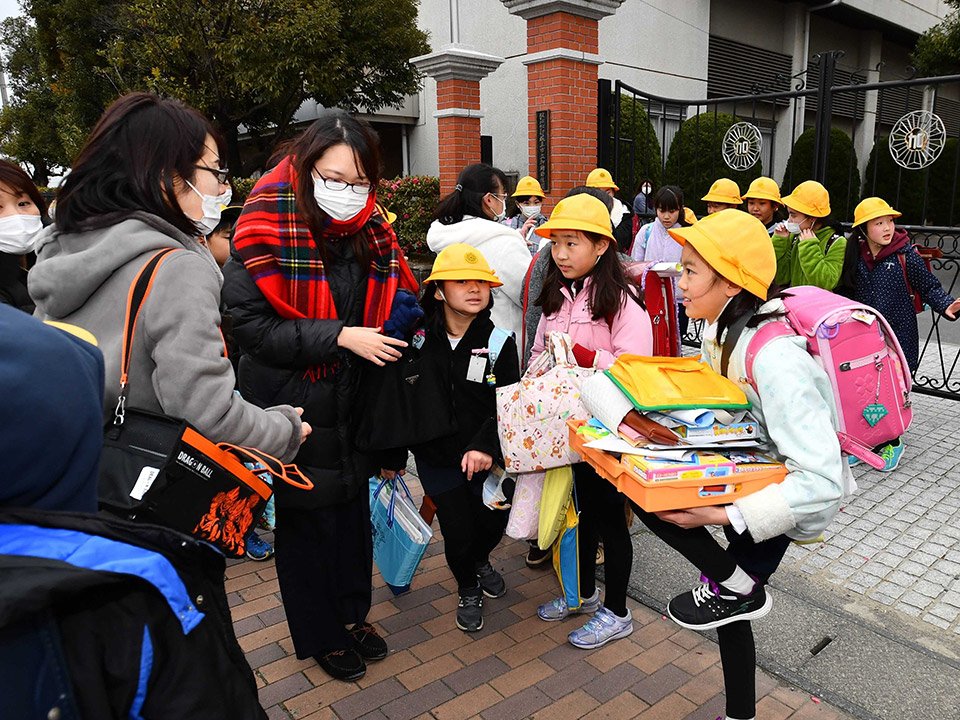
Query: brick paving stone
x,y
570,678
254,606
262,637
412,704
247,625
381,610
522,705
261,589
575,705
653,688
240,582
649,661
562,655
419,596
532,647
264,655
791,697
373,697
467,704
475,674
407,638
520,678
621,707
608,685
403,620
700,688
319,697
391,666
449,641
483,647
653,633
614,653
284,667
283,689
711,709
427,672
495,618
687,639
698,659
672,707
526,628
277,712
272,616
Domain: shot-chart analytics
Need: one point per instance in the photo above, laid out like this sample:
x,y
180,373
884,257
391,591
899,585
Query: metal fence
x,y
859,136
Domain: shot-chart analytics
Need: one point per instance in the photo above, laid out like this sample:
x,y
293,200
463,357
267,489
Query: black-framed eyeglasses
x,y
358,188
223,174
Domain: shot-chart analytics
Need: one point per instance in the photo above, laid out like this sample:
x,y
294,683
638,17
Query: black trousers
x,y
470,529
325,569
603,516
738,652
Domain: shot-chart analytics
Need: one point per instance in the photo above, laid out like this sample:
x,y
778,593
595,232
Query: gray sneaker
x,y
557,608
491,582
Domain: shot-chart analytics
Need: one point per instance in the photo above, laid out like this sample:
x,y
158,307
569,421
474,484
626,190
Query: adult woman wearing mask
x,y
312,279
21,219
148,178
473,214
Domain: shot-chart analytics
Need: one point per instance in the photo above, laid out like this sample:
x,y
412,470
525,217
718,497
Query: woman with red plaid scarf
x,y
312,280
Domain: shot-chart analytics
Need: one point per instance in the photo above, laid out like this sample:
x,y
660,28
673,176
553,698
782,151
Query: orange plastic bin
x,y
672,494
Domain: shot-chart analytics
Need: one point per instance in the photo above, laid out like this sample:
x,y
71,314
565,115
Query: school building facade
x,y
497,63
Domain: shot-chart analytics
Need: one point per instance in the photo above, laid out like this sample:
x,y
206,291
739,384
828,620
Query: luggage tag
x,y
475,369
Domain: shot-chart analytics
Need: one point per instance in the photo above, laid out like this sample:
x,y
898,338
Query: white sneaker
x,y
557,608
603,627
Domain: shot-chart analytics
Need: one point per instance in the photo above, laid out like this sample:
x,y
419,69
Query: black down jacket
x,y
277,364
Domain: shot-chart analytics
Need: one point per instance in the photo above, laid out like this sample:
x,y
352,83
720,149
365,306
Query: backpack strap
x,y
498,337
917,303
137,295
767,332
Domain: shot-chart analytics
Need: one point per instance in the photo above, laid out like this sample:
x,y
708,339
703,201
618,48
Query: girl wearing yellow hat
x,y
528,197
764,202
728,281
722,195
458,359
883,269
586,295
809,252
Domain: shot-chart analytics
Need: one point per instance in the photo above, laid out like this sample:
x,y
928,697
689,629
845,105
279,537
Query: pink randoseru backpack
x,y
861,356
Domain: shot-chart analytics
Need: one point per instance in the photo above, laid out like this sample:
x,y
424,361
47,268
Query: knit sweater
x,y
810,262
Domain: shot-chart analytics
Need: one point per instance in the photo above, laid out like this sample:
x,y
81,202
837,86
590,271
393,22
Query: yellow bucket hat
x,y
763,188
578,212
601,178
528,186
871,208
390,217
724,190
736,245
462,262
811,198
689,215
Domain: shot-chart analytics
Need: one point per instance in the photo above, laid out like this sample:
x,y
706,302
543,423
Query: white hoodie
x,y
507,253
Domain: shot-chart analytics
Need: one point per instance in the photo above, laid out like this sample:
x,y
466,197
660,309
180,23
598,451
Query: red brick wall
x,y
459,137
568,89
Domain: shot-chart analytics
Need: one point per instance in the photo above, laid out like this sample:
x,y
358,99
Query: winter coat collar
x,y
900,240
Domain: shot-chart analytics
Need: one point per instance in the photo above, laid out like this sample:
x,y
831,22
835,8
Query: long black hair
x,y
745,302
847,286
138,147
473,184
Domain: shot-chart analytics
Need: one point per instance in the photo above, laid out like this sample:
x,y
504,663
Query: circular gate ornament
x,y
917,140
742,145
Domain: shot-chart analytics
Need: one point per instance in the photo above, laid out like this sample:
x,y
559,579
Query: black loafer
x,y
342,664
368,642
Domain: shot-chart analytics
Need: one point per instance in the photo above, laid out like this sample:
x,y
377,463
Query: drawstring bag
x,y
159,469
400,536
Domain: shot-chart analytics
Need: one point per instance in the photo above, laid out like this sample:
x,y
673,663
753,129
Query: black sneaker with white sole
x,y
710,606
470,610
491,582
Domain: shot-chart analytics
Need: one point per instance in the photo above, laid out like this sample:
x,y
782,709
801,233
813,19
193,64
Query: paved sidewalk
x,y
516,667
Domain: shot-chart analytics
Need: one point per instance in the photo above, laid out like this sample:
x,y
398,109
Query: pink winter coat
x,y
630,331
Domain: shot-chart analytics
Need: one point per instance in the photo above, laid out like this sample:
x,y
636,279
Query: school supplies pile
x,y
672,433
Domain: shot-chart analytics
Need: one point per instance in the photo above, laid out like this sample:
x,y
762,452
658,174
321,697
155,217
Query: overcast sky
x,y
8,8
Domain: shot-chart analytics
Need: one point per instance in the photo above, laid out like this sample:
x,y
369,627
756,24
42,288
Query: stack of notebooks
x,y
713,444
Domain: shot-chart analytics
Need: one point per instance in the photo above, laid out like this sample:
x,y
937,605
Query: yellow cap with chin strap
x,y
871,208
578,212
736,245
723,190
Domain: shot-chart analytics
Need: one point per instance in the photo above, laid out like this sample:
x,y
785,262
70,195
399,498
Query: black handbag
x,y
159,469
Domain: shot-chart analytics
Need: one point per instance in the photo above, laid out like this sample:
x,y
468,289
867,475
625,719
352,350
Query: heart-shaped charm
x,y
874,413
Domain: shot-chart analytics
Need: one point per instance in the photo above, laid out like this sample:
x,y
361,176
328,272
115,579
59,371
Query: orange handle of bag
x,y
272,465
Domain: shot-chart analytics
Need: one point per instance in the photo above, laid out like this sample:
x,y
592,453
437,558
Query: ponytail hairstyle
x,y
473,184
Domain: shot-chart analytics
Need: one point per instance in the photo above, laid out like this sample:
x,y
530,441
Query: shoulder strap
x,y
498,336
767,332
139,290
917,304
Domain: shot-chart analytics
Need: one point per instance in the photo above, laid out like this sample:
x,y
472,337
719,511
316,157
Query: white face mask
x,y
212,205
501,216
530,211
18,233
342,205
792,227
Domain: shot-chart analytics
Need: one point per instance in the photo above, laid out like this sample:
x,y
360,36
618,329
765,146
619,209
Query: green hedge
x,y
913,184
696,158
414,199
843,175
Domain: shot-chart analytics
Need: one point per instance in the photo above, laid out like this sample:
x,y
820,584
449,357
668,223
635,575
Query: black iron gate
x,y
896,139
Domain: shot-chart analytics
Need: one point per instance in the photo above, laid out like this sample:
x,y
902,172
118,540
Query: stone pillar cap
x,y
455,62
595,9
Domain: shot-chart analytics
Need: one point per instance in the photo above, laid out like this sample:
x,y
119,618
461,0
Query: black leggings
x,y
603,516
470,529
738,652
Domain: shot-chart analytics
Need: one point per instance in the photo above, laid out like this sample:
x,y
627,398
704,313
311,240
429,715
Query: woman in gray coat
x,y
150,177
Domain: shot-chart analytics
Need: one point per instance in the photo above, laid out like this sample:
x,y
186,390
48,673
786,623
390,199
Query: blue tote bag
x,y
400,536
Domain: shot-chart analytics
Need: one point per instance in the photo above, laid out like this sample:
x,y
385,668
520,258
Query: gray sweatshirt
x,y
178,365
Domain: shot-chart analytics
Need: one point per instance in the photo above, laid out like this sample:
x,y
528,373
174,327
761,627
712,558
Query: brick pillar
x,y
458,72
562,62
